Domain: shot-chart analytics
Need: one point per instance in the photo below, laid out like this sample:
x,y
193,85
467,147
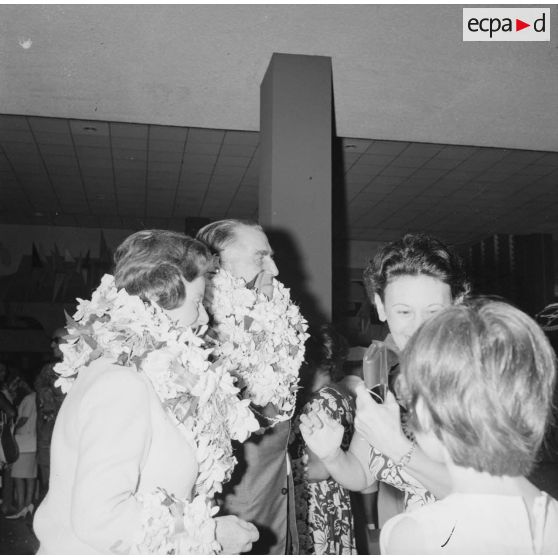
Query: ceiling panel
x,y
89,173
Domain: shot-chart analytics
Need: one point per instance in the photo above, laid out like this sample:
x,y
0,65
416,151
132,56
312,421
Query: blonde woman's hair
x,y
485,373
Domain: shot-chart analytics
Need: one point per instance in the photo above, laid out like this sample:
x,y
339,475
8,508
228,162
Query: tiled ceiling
x,y
459,193
65,172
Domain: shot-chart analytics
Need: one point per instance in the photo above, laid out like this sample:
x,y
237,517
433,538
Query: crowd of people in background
x,y
29,404
191,381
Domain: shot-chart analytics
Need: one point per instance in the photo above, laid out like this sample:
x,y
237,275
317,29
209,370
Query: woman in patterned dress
x,y
323,506
408,280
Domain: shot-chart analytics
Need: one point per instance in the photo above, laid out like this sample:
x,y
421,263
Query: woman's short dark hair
x,y
327,349
483,374
152,264
219,234
416,254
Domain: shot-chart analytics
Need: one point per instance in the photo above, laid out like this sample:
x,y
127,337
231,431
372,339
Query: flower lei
x,y
163,515
199,396
263,340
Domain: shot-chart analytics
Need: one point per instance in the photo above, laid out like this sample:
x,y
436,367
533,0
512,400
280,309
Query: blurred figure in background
x,y
3,381
49,400
6,398
323,507
8,414
545,473
24,470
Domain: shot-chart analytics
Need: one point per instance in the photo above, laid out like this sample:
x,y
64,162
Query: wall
x,y
17,241
351,310
359,252
520,268
42,272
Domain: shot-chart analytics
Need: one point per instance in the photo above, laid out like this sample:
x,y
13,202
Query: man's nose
x,y
271,268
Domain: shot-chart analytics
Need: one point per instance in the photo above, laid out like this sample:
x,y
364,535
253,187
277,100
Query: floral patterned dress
x,y
384,469
323,508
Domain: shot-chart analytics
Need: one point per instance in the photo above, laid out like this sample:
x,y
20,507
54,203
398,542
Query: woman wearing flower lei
x,y
260,333
143,439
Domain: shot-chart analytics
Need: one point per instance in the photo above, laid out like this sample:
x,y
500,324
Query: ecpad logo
x,y
506,24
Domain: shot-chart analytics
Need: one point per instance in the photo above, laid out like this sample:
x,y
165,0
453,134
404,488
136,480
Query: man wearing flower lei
x,y
143,438
261,333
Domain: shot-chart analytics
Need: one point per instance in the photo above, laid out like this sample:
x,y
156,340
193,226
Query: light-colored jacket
x,y
111,439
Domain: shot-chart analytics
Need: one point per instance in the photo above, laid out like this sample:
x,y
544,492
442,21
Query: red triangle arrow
x,y
519,25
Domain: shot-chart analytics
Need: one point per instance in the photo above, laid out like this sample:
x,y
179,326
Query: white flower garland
x,y
173,526
263,340
200,397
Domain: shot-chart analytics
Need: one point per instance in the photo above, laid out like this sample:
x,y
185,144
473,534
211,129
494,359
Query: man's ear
x,y
380,307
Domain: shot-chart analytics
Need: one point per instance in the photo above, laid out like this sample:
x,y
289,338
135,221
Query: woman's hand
x,y
322,434
235,535
380,423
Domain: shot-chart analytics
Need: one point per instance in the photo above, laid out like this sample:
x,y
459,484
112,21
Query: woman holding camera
x,y
409,281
